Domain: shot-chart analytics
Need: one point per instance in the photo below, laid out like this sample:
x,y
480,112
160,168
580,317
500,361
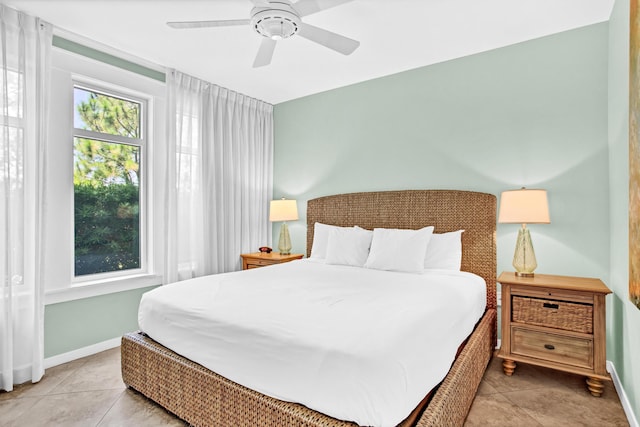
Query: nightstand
x,y
557,322
262,259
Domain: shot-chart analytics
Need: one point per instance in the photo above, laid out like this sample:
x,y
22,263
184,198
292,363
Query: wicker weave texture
x,y
202,397
446,210
553,314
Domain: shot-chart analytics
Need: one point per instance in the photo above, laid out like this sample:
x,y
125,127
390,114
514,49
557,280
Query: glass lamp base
x,y
284,243
524,258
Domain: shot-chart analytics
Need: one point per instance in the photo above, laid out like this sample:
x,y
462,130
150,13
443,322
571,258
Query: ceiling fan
x,y
279,19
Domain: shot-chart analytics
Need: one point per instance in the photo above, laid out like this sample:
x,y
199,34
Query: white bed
x,y
354,343
203,397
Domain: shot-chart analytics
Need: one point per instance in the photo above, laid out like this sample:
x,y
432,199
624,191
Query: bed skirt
x,y
204,398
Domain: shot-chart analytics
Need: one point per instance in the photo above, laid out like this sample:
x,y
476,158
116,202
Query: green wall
x,y
80,323
624,316
532,114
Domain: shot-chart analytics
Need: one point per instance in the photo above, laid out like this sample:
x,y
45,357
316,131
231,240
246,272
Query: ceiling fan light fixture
x,y
280,19
275,24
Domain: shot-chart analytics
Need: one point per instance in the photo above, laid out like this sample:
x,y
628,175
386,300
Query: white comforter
x,y
356,344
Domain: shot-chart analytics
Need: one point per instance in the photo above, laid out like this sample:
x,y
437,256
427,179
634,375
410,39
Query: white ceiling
x,y
395,35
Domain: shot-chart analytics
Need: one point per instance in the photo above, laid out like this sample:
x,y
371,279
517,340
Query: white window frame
x,y
60,282
144,100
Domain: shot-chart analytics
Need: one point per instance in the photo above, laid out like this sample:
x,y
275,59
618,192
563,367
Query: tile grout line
x,y
110,408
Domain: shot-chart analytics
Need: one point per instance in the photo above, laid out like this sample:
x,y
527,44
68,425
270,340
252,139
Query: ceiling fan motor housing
x,y
276,22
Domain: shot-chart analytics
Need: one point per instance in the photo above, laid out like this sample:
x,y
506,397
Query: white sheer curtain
x,y
219,183
24,70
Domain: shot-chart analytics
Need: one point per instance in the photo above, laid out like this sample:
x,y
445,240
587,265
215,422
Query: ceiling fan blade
x,y
208,24
307,7
334,41
265,53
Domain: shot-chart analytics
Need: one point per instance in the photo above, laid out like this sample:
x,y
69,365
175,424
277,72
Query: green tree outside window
x,y
106,182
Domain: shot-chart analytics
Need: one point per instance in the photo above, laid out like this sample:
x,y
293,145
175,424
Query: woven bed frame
x,y
204,398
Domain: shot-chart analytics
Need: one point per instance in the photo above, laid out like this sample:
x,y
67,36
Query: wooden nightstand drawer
x,y
556,314
554,294
260,262
249,266
263,259
557,348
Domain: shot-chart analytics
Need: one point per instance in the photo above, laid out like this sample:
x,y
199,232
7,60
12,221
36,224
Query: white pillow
x,y
445,251
348,246
399,250
320,239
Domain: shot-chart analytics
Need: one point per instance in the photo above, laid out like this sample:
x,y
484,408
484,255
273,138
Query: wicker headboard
x,y
446,210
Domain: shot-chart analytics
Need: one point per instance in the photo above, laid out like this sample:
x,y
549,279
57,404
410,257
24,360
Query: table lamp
x,y
283,210
524,207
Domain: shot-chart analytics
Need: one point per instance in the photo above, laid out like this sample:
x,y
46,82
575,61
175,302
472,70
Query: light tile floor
x,y
536,396
89,392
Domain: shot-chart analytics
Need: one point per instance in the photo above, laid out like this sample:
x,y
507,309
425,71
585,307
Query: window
x,y
108,160
84,249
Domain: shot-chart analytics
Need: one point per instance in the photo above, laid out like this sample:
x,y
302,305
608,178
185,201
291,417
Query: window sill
x,y
101,287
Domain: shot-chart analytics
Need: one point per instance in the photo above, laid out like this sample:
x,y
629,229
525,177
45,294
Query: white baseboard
x,y
624,399
59,359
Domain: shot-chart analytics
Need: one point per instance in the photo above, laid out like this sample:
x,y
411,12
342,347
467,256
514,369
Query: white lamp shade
x,y
524,206
283,210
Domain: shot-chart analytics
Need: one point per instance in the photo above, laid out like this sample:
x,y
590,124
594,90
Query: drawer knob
x,y
549,346
550,305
